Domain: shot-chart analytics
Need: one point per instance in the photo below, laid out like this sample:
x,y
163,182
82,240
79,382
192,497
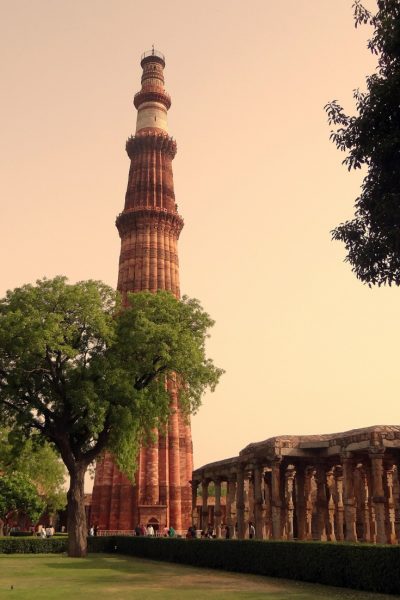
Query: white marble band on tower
x,y
152,114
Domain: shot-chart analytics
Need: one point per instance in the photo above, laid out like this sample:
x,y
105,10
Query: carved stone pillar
x,y
309,506
300,502
258,502
391,518
321,502
276,501
290,473
366,512
378,494
240,506
339,504
396,494
230,499
348,497
204,504
267,505
195,485
331,506
217,508
210,517
372,521
249,514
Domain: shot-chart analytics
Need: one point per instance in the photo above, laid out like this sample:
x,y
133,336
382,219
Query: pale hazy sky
x,y
306,347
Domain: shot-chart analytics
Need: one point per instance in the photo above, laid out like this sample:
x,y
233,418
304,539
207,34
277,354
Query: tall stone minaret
x,y
149,227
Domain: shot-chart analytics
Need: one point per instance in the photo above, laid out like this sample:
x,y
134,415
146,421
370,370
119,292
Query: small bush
x,y
358,566
32,545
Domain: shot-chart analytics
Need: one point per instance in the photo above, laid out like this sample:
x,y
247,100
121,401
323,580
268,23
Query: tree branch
x,y
18,409
147,378
102,440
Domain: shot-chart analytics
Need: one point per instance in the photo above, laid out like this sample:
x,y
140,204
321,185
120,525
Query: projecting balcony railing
x,y
155,94
153,52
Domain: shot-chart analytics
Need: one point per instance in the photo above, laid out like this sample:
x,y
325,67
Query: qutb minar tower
x,y
149,227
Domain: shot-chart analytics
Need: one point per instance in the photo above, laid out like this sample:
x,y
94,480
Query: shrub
x,y
358,566
32,545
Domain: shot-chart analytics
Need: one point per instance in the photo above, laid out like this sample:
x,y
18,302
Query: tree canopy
x,y
18,494
371,138
89,376
38,460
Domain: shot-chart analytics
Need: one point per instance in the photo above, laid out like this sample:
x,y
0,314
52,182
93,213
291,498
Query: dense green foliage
x,y
371,138
32,545
38,460
19,495
89,376
357,566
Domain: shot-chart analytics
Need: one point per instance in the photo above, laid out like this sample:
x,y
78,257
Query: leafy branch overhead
x,y
371,139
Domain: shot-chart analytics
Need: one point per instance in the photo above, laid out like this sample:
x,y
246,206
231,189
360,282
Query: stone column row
x,y
351,501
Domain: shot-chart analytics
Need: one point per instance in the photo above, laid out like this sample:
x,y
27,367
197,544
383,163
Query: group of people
x,y
252,531
94,530
191,532
143,530
45,532
209,532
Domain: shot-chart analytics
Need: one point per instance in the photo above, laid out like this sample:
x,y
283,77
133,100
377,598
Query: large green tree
x,y
89,376
38,460
18,494
371,139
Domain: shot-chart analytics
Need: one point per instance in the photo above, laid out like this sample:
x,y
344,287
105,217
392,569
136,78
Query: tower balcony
x,y
160,141
152,95
140,216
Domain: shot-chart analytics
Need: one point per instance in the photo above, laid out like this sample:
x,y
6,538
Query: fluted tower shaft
x,y
149,228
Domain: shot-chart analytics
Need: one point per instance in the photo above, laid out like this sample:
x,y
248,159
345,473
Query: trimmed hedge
x,y
32,545
357,566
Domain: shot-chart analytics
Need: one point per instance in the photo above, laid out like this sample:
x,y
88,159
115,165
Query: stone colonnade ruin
x,y
333,487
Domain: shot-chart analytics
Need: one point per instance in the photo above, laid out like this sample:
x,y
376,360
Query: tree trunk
x,y
76,521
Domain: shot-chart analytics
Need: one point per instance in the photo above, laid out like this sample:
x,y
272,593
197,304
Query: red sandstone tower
x,y
149,227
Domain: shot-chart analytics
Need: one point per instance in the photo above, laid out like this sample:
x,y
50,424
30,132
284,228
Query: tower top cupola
x,y
152,55
152,102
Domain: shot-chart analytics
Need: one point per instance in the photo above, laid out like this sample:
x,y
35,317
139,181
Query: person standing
x,y
252,531
171,532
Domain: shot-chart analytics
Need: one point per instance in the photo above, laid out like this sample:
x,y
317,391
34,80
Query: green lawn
x,y
50,576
